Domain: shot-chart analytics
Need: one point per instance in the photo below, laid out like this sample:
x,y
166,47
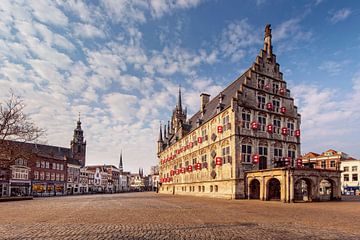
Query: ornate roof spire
x,y
160,135
267,41
78,123
179,106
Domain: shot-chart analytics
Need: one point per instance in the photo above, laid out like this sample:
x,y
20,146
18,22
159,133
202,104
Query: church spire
x,y
267,41
121,162
179,106
160,135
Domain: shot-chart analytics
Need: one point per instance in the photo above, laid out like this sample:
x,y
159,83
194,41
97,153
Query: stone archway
x,y
303,190
254,189
327,189
273,189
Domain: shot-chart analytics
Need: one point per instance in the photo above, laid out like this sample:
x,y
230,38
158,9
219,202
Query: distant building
x,y
124,177
350,173
153,179
330,159
42,170
137,182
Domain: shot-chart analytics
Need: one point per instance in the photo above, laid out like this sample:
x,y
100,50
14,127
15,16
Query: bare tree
x,y
15,124
15,127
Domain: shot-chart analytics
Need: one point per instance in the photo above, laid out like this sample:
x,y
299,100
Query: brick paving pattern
x,y
153,216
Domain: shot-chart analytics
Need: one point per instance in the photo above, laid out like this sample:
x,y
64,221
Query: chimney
x,y
204,98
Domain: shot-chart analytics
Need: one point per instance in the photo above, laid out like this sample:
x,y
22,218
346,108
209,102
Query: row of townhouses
x,y
337,160
44,170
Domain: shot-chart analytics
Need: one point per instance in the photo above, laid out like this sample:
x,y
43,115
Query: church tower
x,y
78,145
179,116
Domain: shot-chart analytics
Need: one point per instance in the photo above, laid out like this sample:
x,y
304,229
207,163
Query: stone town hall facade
x,y
250,130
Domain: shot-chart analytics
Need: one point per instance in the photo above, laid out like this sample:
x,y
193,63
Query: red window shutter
x,y
254,125
218,161
297,133
199,139
267,87
282,91
283,109
220,129
270,128
256,158
269,106
299,162
284,131
189,168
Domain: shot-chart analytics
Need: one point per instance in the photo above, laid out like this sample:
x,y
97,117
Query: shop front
x,y
48,189
352,190
19,188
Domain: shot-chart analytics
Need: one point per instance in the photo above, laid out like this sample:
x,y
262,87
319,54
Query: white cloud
x,y
126,11
340,15
161,7
328,122
289,35
88,31
237,38
47,12
121,106
331,67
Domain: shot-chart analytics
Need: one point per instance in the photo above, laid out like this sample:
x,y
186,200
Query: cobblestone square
x,y
155,216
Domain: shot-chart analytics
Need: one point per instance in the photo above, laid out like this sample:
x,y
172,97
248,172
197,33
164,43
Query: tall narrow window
x,y
276,105
277,153
261,83
203,158
291,154
263,151
290,126
226,121
277,125
275,88
246,119
226,154
261,101
246,153
262,122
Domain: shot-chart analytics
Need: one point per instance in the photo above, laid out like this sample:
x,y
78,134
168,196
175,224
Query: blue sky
x,y
119,63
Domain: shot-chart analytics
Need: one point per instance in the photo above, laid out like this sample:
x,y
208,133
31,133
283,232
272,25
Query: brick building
x,y
39,169
329,159
231,147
